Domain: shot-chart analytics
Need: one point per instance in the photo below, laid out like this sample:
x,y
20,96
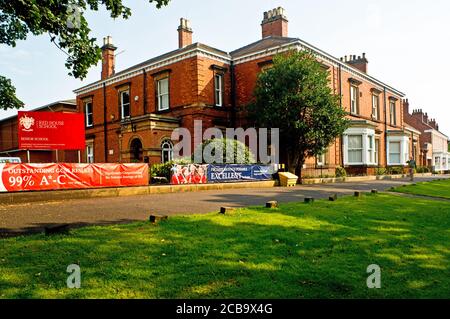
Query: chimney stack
x,y
360,62
184,33
275,23
108,58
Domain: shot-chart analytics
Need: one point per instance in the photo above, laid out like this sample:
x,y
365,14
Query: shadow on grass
x,y
298,251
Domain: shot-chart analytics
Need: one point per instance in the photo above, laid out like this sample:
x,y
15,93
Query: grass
x,y
437,188
319,250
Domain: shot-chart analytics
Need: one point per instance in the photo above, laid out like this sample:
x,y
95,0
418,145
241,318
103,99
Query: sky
x,y
407,43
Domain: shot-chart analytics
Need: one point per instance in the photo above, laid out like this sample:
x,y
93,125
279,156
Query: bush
x,y
379,171
241,153
165,170
341,172
422,169
395,170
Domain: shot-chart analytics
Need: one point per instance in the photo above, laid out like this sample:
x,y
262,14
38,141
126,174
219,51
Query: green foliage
x,y
341,172
8,99
423,169
65,23
294,96
240,154
394,170
380,171
164,170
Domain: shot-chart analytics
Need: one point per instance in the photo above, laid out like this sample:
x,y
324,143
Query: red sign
x,y
51,131
38,177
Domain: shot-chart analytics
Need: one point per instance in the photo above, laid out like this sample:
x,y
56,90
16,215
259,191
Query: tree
x,y
8,99
65,23
239,153
294,95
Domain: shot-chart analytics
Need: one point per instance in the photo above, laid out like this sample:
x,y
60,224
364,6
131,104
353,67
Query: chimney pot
x,y
184,33
275,23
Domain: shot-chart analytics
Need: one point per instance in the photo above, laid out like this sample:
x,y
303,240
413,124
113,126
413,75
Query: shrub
x,y
379,171
341,172
394,170
164,170
241,153
422,169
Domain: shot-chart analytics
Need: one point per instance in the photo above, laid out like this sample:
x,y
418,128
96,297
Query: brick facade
x,y
191,71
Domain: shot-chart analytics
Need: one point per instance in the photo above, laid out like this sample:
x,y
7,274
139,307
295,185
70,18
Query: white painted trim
x,y
152,66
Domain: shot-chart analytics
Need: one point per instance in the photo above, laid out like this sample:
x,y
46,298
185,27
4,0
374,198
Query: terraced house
x,y
130,114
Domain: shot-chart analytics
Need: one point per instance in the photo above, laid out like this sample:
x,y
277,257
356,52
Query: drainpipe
x,y
385,128
105,124
233,94
145,90
340,102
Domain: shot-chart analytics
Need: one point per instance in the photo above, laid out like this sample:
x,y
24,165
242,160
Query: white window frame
x,y
167,147
375,106
370,148
377,152
122,104
354,99
161,95
361,149
218,89
392,153
89,114
393,113
365,133
90,152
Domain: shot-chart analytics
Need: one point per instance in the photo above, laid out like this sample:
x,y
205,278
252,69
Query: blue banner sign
x,y
239,173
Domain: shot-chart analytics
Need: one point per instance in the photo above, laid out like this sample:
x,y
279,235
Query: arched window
x,y
136,150
166,151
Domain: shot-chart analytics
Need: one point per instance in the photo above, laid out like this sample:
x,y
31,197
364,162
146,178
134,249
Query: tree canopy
x,y
295,96
65,23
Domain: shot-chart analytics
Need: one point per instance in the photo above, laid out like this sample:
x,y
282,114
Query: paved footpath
x,y
33,217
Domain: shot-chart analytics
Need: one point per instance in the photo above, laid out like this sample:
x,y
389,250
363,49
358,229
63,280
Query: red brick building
x,y
433,143
131,114
9,143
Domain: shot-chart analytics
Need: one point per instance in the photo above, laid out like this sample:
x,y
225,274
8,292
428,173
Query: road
x,y
33,217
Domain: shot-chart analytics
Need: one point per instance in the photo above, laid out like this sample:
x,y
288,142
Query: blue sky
x,y
406,41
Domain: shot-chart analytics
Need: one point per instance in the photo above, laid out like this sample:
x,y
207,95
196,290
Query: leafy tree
x,y
294,95
64,22
8,99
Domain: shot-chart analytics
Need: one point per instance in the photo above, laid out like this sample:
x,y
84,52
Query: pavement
x,y
28,218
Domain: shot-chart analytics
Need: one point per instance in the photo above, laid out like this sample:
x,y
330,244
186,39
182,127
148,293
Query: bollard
x,y
272,204
309,200
57,229
157,218
333,198
224,210
358,194
374,191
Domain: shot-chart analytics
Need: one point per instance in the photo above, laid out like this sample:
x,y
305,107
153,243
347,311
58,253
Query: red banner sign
x,y
38,177
51,131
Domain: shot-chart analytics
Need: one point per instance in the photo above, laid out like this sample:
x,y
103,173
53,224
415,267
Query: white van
x,y
10,160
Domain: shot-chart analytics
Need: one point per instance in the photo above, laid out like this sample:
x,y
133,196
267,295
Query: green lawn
x,y
434,189
318,250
